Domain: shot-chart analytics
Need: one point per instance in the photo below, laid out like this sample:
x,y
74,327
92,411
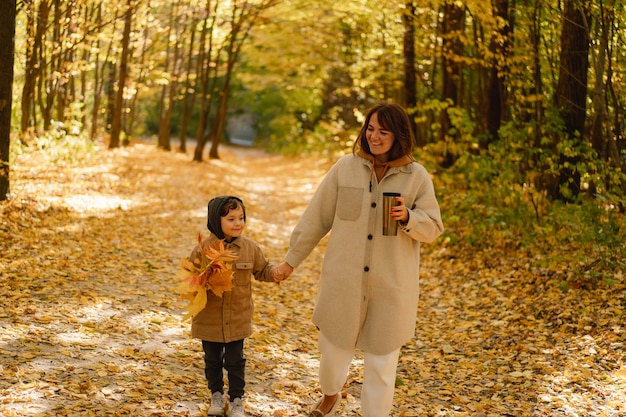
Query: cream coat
x,y
229,318
369,284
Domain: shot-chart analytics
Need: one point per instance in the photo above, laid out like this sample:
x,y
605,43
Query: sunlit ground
x,y
90,324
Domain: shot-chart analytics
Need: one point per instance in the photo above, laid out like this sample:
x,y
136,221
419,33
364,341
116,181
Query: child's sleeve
x,y
195,254
262,267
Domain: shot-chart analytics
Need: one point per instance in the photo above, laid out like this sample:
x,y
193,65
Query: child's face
x,y
233,223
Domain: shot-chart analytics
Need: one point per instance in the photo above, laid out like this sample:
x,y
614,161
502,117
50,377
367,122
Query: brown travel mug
x,y
390,226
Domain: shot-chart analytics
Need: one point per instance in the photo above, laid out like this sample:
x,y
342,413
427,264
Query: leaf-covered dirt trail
x,y
89,323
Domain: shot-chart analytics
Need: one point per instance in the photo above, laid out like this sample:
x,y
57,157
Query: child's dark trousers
x,y
229,356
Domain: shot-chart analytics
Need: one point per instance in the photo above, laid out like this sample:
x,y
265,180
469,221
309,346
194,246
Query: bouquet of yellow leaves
x,y
212,270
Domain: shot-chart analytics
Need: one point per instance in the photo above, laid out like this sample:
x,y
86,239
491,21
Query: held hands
x,y
400,212
281,272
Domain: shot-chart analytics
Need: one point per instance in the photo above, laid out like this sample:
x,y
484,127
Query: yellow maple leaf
x,y
217,253
221,280
212,270
196,305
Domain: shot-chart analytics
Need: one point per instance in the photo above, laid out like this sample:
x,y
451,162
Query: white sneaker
x,y
235,409
218,401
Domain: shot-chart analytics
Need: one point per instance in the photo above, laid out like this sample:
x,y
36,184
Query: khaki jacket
x,y
369,284
229,318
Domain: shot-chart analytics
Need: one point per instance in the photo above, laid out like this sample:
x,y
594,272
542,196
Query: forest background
x,y
518,107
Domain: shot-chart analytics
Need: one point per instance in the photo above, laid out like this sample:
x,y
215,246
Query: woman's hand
x,y
282,272
399,212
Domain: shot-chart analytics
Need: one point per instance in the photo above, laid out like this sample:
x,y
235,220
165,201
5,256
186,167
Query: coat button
x,y
366,269
369,237
373,205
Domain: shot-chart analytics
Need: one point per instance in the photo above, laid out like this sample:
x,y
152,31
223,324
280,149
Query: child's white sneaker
x,y
218,401
235,408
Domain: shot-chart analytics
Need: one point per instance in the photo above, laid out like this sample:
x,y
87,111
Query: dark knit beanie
x,y
216,209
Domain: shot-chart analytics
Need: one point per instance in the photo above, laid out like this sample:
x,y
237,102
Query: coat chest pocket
x,y
243,265
242,273
349,203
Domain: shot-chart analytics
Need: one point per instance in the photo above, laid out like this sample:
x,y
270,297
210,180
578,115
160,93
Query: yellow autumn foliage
x,y
212,271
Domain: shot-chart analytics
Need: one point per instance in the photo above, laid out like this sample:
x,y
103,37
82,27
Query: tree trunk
x,y
452,50
571,93
116,126
617,138
410,78
204,70
51,71
170,97
538,115
131,120
600,138
243,19
66,84
7,38
189,90
165,102
35,28
98,77
219,121
495,93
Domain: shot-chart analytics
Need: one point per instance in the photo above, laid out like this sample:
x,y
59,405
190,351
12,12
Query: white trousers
x,y
379,376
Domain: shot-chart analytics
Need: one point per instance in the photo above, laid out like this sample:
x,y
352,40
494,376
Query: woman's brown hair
x,y
394,118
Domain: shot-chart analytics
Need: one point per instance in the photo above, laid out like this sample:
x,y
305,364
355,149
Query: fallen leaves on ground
x,y
90,324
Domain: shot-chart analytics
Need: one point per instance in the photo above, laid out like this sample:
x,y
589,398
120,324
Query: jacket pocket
x,y
349,203
242,272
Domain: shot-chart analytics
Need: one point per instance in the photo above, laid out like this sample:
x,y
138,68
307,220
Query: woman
x,y
369,285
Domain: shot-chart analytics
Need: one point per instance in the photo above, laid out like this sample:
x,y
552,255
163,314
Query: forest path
x,y
90,325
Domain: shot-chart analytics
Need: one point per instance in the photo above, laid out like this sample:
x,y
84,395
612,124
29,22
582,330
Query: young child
x,y
226,321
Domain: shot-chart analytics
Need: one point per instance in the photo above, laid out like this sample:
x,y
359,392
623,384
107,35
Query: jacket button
x,y
366,269
373,205
370,237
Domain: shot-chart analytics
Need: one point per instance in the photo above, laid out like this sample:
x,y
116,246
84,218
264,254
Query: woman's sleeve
x,y
424,223
316,221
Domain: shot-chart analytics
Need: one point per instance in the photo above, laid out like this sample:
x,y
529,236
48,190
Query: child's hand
x,y
281,272
277,276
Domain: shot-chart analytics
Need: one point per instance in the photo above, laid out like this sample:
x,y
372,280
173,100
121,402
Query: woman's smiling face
x,y
379,139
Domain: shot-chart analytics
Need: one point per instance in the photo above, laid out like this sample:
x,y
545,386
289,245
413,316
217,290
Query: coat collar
x,y
379,168
236,242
